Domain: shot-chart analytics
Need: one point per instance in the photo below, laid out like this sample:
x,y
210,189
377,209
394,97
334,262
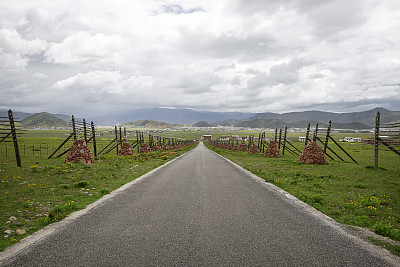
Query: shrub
x,y
81,184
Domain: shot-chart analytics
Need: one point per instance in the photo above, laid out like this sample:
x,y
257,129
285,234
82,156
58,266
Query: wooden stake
x,y
94,139
307,135
376,139
73,127
284,141
327,136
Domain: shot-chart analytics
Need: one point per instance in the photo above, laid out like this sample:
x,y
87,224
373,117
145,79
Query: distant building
x,y
352,139
235,137
206,137
224,138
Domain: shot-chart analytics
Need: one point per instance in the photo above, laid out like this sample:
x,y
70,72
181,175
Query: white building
x,y
352,139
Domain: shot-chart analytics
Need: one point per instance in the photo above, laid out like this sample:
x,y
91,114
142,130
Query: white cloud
x,y
40,76
83,47
211,55
93,81
15,51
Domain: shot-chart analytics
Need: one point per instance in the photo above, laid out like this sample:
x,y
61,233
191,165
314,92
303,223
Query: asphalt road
x,y
200,210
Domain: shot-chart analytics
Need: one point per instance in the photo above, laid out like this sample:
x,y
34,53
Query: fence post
x,y
315,133
84,130
307,134
14,136
116,138
284,141
137,142
280,138
120,135
327,136
376,139
73,127
94,139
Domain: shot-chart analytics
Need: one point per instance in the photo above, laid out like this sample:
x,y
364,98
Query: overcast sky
x,y
85,57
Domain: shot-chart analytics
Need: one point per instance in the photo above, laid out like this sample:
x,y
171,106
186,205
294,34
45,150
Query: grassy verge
x,y
353,194
45,191
394,249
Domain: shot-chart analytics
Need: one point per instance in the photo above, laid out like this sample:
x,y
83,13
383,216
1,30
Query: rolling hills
x,y
202,124
147,124
364,117
43,119
165,117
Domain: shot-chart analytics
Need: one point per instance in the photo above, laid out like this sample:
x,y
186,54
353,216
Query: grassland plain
x,y
45,190
353,194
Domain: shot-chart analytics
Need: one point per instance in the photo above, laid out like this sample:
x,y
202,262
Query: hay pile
x,y
79,152
313,154
235,147
157,147
165,147
272,150
145,148
253,149
242,147
126,149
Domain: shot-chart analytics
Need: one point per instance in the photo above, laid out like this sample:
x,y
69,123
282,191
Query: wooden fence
x,y
9,130
78,129
386,135
319,135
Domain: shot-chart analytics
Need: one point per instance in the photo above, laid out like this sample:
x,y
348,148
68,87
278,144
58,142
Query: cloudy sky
x,y
236,55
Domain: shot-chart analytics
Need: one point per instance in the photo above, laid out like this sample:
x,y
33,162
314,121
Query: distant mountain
x,y
189,116
16,114
351,125
364,117
146,124
202,124
66,118
22,115
229,122
261,123
168,115
274,123
43,119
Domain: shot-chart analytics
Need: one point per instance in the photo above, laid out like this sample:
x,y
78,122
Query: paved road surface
x,y
199,210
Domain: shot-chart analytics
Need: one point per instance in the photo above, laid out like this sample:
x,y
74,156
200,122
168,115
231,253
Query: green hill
x,y
276,123
202,124
262,123
146,124
43,119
